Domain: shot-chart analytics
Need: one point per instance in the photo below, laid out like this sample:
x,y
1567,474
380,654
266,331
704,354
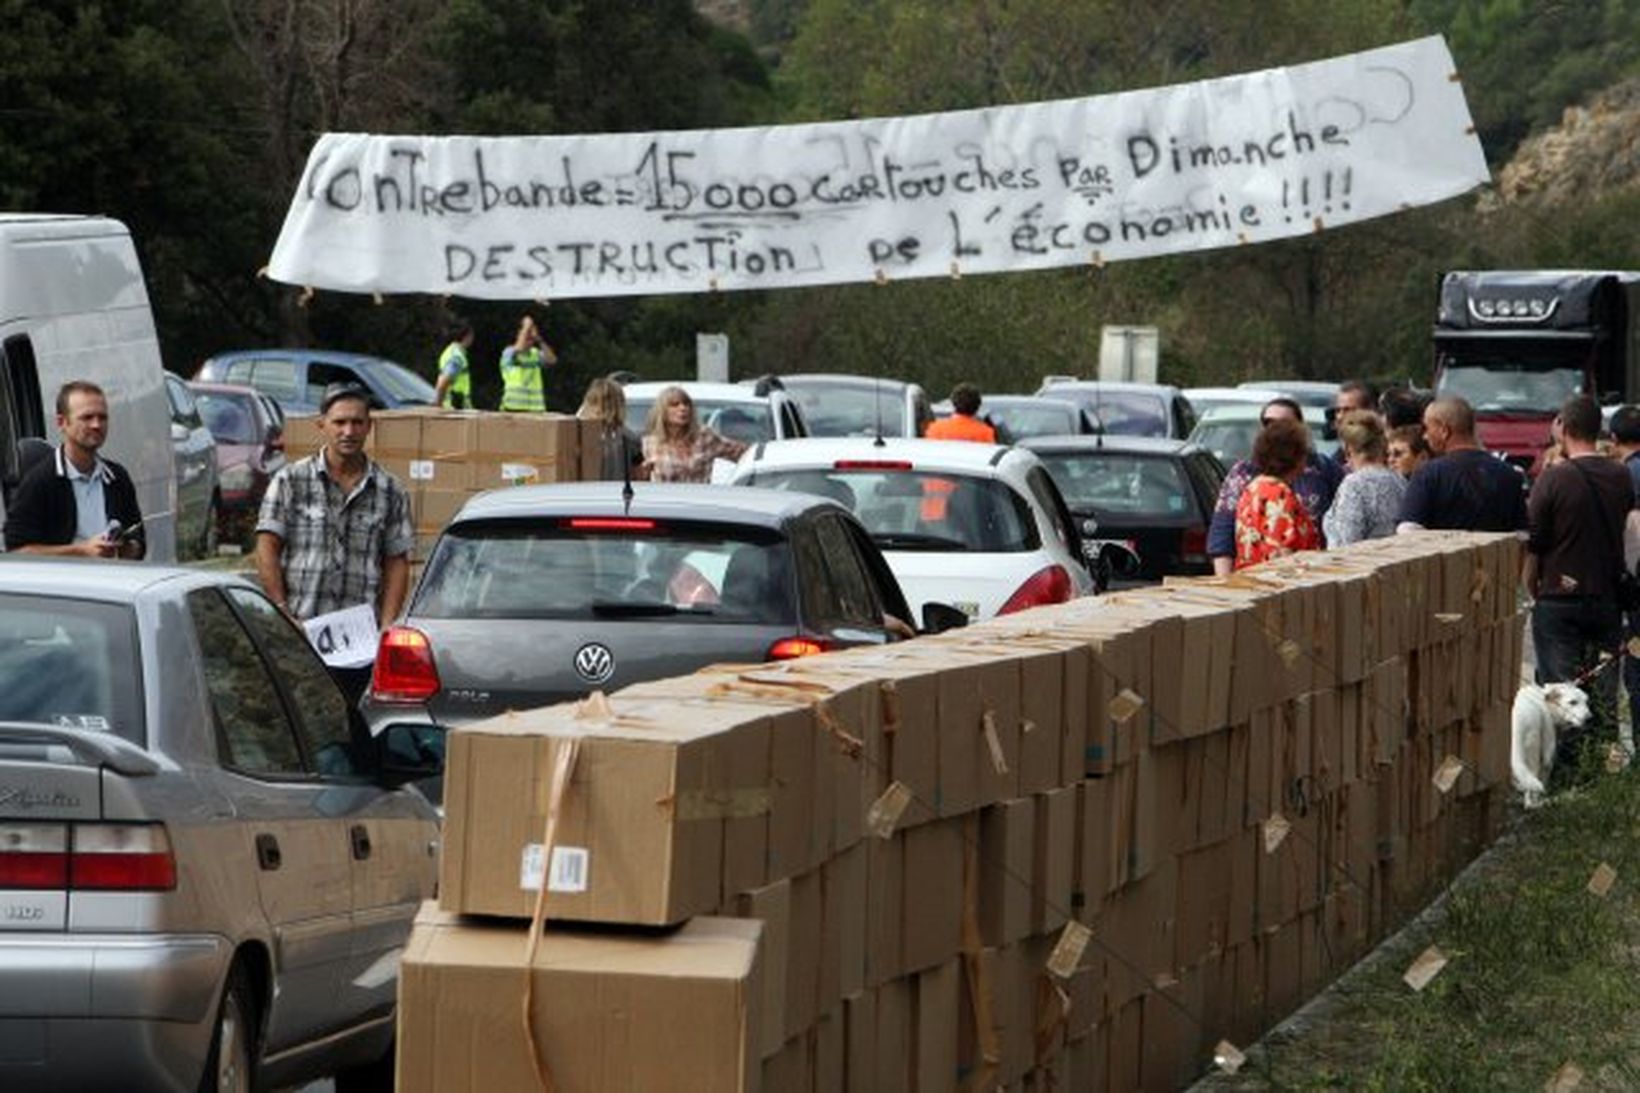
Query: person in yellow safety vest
x,y
523,368
454,390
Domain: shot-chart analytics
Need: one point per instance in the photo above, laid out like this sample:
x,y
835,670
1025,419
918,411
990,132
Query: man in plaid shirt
x,y
334,530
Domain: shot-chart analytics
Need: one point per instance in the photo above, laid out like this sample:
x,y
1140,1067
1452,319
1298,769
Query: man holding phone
x,y
77,503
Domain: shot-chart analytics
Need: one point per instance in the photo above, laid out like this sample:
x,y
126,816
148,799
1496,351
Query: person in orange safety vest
x,y
963,424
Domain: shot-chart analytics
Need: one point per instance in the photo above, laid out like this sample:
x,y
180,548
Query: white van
x,y
73,305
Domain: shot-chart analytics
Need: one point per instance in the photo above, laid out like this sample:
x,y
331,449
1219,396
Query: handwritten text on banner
x,y
1211,164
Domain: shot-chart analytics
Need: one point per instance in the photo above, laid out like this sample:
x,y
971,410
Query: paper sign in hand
x,y
345,638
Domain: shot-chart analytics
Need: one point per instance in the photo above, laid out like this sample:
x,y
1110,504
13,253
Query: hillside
x,y
1592,153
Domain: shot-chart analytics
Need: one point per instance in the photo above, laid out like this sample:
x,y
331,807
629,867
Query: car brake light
x,y
792,648
872,465
404,670
122,857
610,523
33,856
1193,544
1050,584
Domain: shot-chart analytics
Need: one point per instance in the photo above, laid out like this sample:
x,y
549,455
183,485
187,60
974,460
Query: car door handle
x,y
267,852
359,836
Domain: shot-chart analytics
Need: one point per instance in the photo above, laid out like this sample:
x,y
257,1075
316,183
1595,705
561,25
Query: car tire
x,y
372,1077
230,1065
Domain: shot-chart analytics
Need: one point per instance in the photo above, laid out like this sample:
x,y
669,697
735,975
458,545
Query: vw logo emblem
x,y
594,662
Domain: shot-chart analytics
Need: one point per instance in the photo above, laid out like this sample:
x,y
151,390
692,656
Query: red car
x,y
250,448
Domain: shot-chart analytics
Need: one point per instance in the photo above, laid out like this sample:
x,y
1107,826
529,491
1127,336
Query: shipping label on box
x,y
680,1011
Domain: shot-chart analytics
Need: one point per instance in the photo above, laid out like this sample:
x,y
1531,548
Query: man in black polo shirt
x,y
1574,555
67,504
1467,488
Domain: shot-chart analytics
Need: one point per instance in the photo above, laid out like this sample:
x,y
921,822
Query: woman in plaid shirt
x,y
677,447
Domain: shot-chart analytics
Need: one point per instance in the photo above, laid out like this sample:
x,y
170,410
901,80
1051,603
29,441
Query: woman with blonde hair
x,y
622,454
676,446
1368,501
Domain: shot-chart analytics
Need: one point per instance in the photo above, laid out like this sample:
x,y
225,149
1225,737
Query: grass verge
x,y
1542,972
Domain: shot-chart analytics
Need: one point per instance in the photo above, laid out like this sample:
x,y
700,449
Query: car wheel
x,y
229,1065
374,1077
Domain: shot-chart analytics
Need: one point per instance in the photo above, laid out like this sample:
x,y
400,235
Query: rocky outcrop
x,y
1593,151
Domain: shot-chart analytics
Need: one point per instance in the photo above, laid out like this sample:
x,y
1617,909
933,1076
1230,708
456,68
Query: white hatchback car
x,y
976,526
746,414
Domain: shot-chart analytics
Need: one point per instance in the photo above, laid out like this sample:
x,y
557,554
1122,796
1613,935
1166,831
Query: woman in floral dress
x,y
1270,519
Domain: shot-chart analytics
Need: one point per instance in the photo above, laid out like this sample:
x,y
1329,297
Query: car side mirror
x,y
409,752
937,618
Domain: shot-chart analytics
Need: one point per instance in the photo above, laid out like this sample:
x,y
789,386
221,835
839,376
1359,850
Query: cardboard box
x,y
860,1042
1007,861
773,907
1053,876
885,895
932,924
896,1036
611,1010
937,1000
843,932
803,972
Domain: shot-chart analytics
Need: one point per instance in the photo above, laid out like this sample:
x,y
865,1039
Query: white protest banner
x,y
1218,163
345,638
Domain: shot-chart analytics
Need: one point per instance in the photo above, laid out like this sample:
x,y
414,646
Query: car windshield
x,y
1229,438
1504,386
747,422
839,409
71,663
1126,413
403,384
609,568
1120,483
921,510
230,418
1021,420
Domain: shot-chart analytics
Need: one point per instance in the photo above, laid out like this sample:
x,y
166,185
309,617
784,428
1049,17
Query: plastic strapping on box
x,y
980,995
993,743
884,814
1053,1010
568,752
1425,968
720,804
1601,882
889,693
1566,1079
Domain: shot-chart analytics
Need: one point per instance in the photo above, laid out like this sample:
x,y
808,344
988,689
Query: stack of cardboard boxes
x,y
1236,785
443,457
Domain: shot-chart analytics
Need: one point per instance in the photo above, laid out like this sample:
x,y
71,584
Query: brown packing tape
x,y
1275,832
562,770
721,804
993,743
981,994
889,691
1067,954
885,812
1422,971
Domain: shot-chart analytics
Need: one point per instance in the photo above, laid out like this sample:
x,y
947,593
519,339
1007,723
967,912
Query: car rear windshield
x,y
609,568
1025,420
1120,484
1127,413
921,510
230,418
747,422
71,663
835,409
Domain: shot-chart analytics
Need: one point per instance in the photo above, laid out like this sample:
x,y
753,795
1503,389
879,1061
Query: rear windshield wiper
x,y
905,540
620,609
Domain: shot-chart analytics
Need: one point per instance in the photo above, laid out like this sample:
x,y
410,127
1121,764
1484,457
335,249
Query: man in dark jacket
x,y
69,504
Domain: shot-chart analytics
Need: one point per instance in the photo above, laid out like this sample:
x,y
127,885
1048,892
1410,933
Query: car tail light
x,y
122,857
610,523
1193,545
872,465
1050,584
104,857
792,648
404,670
33,856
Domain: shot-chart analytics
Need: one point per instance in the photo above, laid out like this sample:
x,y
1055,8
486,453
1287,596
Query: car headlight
x,y
238,477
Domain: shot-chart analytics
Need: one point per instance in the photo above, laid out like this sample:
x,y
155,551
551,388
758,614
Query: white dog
x,y
1539,715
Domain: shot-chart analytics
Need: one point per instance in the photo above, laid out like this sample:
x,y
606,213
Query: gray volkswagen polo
x,y
538,594
207,865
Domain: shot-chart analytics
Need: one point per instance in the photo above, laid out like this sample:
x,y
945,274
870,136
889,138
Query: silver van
x,y
73,305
